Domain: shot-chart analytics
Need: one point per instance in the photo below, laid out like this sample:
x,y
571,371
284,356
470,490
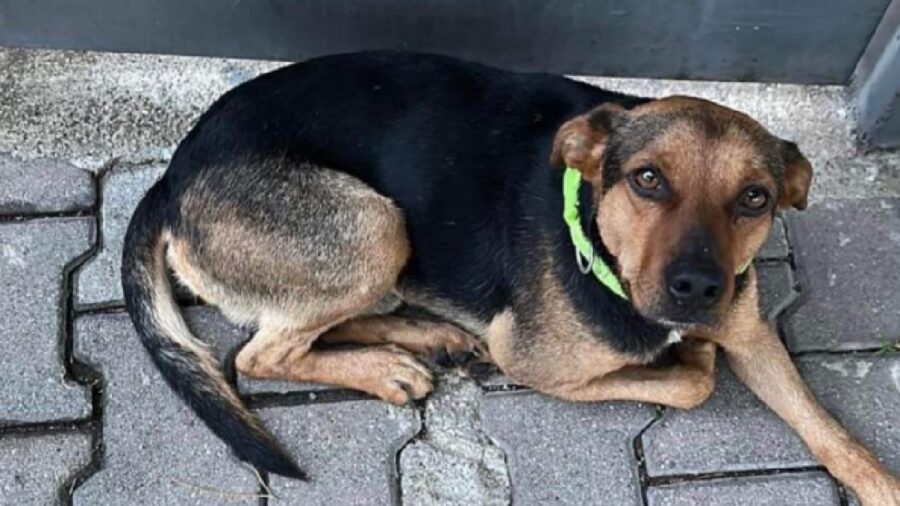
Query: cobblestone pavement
x,y
86,420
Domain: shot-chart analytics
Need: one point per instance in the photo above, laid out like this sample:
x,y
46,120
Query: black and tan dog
x,y
314,201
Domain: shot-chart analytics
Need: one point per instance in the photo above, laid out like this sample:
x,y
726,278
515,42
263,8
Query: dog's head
x,y
685,192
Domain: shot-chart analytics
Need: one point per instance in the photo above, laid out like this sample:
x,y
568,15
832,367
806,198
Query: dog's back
x,y
451,143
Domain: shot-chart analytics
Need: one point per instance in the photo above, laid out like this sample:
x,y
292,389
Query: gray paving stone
x,y
98,280
34,468
775,283
155,451
849,253
732,431
42,186
455,462
348,449
567,453
863,392
804,489
776,246
33,255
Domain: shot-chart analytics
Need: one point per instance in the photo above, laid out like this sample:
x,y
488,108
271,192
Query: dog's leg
x,y
298,251
562,363
386,371
684,385
417,336
760,360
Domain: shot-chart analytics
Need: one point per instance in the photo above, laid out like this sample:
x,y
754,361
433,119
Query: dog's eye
x,y
647,178
754,201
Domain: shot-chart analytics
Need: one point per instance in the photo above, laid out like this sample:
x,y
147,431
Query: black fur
x,y
461,148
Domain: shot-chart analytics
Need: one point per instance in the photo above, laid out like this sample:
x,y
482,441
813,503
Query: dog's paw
x,y
451,346
397,376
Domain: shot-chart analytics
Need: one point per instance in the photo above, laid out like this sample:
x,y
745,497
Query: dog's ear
x,y
580,142
797,177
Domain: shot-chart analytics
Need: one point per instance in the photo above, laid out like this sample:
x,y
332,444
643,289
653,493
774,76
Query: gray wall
x,y
807,41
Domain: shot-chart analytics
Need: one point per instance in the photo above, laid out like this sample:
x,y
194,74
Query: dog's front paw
x,y
451,346
396,376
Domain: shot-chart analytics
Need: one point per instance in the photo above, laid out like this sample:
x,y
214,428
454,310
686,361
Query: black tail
x,y
184,361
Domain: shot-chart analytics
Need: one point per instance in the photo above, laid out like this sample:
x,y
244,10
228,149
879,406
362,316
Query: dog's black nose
x,y
693,286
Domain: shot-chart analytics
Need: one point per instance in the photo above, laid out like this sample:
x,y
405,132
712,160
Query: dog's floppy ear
x,y
797,177
579,143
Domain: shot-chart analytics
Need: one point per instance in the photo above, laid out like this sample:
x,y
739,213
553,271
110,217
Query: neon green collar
x,y
584,250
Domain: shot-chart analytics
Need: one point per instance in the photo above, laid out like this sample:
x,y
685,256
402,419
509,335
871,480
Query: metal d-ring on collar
x,y
579,259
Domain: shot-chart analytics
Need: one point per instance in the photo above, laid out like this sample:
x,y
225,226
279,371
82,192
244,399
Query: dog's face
x,y
685,192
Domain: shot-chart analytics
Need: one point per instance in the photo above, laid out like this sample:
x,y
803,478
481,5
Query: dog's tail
x,y
184,361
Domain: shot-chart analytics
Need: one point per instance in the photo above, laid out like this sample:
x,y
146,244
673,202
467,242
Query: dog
x,y
570,235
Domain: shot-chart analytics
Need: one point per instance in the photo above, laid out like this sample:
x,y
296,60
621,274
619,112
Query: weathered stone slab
x,y
732,431
98,281
776,246
455,462
348,450
34,468
567,453
91,107
43,186
155,450
775,282
249,386
863,392
33,255
849,253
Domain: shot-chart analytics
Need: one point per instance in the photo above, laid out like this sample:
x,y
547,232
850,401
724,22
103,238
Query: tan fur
x,y
285,283
417,336
706,175
797,180
579,144
386,371
566,358
557,336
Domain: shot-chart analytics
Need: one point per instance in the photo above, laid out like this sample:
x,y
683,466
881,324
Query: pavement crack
x,y
451,460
